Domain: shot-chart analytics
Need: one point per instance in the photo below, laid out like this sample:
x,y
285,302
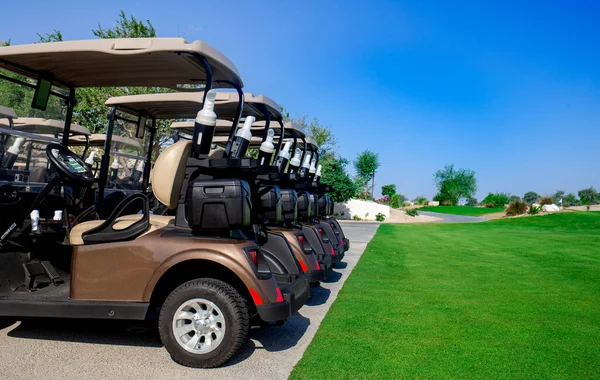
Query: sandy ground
x,y
91,349
398,216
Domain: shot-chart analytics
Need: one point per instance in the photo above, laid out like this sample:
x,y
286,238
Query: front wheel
x,y
203,323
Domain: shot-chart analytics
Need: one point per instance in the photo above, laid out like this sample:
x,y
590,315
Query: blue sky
x,y
509,89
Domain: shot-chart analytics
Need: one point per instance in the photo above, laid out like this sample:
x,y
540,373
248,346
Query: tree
x,y
55,36
366,165
589,196
530,197
5,43
514,198
126,28
333,170
388,190
334,174
570,200
454,184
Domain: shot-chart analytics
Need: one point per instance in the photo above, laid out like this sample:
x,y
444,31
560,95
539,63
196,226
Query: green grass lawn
x,y
511,298
462,210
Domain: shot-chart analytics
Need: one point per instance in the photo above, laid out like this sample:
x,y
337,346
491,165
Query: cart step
x,y
51,272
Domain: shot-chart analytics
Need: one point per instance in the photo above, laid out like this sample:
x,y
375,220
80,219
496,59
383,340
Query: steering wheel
x,y
69,166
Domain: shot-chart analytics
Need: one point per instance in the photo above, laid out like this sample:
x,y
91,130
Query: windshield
x,y
23,161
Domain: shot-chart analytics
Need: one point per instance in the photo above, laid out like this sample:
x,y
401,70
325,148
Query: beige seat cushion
x,y
156,222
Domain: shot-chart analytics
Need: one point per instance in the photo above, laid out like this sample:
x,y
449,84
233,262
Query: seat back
x,y
169,173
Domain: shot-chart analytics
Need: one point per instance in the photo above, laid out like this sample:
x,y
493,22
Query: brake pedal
x,y
51,272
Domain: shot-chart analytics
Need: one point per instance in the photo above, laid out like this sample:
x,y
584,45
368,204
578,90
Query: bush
x,y
356,217
534,210
546,201
421,200
380,217
412,212
447,202
396,201
498,200
516,207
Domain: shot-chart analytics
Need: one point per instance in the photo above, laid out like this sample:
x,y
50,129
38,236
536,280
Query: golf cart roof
x,y
162,62
98,140
289,127
46,126
185,105
222,128
6,113
312,143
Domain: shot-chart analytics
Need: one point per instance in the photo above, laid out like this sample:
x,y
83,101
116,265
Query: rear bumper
x,y
316,275
297,294
274,312
339,254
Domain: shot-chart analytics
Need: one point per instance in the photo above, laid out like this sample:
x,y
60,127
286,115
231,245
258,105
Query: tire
x,y
221,317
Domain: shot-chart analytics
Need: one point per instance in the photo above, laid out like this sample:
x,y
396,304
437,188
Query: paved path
x,y
450,218
63,349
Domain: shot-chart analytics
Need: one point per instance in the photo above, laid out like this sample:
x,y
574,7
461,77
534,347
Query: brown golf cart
x,y
204,285
287,268
316,265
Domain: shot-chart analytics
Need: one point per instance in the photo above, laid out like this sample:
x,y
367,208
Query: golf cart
x,y
314,264
322,203
288,272
203,286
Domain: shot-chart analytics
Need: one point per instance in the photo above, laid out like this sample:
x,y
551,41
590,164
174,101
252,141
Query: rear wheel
x,y
203,323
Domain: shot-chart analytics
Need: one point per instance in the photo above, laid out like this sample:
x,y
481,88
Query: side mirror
x,y
141,127
42,94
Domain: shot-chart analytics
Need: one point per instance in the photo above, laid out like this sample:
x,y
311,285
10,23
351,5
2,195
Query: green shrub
x,y
546,201
489,205
534,210
396,201
516,207
498,200
380,217
356,217
412,212
514,198
421,200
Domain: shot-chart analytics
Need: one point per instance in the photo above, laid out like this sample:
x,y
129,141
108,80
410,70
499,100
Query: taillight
x,y
321,232
279,295
303,266
253,255
300,239
332,251
260,264
256,297
318,266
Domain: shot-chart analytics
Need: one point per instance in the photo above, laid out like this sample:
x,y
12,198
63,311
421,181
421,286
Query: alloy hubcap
x,y
199,326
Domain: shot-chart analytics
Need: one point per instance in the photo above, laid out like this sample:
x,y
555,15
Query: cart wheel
x,y
203,323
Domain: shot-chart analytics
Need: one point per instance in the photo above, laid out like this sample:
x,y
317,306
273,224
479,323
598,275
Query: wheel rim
x,y
199,326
